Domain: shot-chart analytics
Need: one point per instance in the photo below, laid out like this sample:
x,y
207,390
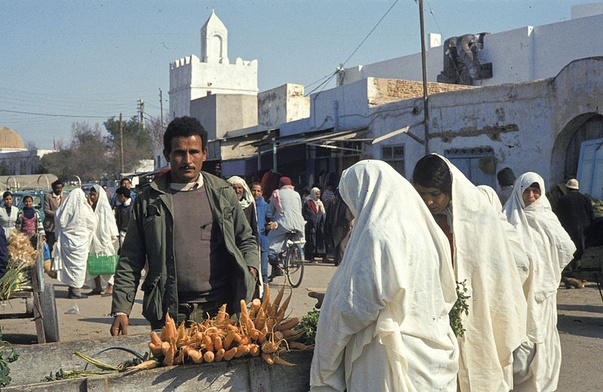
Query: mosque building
x,y
15,158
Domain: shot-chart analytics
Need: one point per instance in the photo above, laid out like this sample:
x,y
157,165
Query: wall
x,y
223,113
523,54
282,104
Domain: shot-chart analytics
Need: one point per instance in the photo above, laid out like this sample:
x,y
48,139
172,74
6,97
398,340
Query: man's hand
x,y
253,271
120,325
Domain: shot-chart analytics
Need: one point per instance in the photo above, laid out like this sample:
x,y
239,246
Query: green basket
x,y
102,265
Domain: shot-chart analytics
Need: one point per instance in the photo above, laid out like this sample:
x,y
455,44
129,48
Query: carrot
x,y
242,350
277,300
256,304
221,316
266,302
228,355
269,358
155,339
254,334
260,319
169,328
165,347
155,350
220,354
195,355
168,360
209,356
280,361
294,334
254,349
217,343
298,346
228,340
209,343
288,324
281,312
269,347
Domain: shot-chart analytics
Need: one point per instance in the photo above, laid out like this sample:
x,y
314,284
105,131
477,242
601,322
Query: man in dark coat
x,y
575,212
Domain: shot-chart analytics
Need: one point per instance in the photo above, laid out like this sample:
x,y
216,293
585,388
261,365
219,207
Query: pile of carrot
x,y
263,330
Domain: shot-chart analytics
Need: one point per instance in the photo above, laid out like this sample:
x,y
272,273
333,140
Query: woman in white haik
x,y
74,225
384,322
538,360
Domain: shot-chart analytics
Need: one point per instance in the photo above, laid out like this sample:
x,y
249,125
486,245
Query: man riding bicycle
x,y
285,214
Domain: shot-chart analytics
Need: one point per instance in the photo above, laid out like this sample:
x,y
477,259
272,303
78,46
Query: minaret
x,y
214,41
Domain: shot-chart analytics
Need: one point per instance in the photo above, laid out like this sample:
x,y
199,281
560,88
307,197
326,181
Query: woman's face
x,y
238,190
27,202
531,194
8,201
435,199
93,197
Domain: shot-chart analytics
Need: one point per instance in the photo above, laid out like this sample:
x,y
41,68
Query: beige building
x,y
14,157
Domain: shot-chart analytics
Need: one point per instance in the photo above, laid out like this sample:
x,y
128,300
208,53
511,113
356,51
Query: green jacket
x,y
150,238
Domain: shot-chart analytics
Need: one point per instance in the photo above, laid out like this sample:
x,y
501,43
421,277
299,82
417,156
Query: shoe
x,y
107,294
276,271
75,294
95,292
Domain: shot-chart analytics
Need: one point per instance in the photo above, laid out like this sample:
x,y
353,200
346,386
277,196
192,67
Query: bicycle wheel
x,y
294,265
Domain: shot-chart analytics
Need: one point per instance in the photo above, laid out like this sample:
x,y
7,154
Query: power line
x,y
49,114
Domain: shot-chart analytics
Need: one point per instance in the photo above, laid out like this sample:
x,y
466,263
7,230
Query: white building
x,y
14,157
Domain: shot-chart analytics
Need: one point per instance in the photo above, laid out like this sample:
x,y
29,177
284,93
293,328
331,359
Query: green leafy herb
x,y
5,359
460,306
309,322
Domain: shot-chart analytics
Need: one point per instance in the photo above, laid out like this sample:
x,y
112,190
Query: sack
x,y
102,265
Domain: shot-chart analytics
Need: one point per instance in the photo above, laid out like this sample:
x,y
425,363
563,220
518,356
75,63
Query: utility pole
x,y
161,108
121,144
424,66
141,110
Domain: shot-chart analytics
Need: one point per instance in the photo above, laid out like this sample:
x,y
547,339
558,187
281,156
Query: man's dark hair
x,y
505,177
432,172
184,126
57,182
5,194
121,182
255,183
124,191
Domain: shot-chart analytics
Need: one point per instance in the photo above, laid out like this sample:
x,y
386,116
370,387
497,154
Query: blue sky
x,y
67,61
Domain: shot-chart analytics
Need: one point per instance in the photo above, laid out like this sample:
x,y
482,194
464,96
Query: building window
x,y
394,155
478,164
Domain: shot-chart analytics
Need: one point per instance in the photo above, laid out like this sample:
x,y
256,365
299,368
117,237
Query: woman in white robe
x,y
104,237
483,259
384,322
74,225
538,360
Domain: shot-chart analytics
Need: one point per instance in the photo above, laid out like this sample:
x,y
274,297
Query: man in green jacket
x,y
190,229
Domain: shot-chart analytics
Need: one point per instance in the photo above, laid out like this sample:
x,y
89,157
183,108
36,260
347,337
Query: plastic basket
x,y
102,265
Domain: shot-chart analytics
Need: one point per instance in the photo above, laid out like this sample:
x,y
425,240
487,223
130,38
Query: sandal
x,y
95,292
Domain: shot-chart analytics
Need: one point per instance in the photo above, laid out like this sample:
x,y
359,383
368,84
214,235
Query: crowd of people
x,y
407,252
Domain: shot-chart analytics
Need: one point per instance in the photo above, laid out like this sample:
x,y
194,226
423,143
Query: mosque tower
x,y
192,78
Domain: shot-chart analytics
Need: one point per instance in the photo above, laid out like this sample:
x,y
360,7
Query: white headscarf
x,y
542,235
384,320
496,324
106,232
75,223
320,207
247,198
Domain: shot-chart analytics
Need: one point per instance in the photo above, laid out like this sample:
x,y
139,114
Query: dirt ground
x,y
580,323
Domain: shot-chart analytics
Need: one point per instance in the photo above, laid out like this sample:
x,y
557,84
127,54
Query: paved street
x,y
580,323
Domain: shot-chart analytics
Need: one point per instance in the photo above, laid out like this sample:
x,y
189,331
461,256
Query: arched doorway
x,y
566,152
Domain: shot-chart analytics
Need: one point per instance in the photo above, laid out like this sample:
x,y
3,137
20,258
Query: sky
x,y
71,61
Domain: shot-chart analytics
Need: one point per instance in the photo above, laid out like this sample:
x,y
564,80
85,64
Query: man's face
x,y
256,191
434,199
121,198
238,188
57,189
8,201
126,183
186,158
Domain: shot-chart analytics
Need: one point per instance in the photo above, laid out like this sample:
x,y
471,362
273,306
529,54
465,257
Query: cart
x,y
40,302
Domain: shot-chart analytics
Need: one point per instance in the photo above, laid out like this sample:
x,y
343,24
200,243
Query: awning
x,y
325,139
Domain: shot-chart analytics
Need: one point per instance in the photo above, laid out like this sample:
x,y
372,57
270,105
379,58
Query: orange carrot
x,y
288,324
220,355
269,358
209,356
228,355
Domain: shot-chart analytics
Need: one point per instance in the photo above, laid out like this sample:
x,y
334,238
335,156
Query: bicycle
x,y
293,260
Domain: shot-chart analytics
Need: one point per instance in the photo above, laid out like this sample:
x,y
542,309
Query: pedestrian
x,y
315,214
123,212
190,228
575,212
285,213
104,237
52,201
538,359
246,201
483,261
29,220
262,210
338,226
8,214
384,323
505,178
75,223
